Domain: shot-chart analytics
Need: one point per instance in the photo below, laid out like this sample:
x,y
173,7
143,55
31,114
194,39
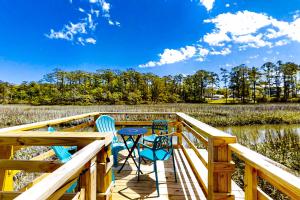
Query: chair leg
x,y
139,168
173,158
115,155
156,178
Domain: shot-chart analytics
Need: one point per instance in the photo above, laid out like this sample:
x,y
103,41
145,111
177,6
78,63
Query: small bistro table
x,y
131,132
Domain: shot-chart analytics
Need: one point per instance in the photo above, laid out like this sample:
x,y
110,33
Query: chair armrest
x,y
72,148
144,145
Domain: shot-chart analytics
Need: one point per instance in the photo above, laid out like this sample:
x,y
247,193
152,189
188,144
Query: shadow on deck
x,y
187,186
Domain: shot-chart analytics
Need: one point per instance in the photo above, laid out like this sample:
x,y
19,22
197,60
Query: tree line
x,y
275,82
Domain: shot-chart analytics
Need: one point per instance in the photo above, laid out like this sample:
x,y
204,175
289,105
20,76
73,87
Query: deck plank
x,y
187,186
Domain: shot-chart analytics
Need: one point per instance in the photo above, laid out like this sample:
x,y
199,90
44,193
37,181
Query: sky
x,y
159,36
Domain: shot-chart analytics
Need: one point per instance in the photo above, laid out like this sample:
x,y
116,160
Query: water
x,y
257,133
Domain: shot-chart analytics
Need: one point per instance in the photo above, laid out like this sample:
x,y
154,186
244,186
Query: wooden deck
x,y
187,187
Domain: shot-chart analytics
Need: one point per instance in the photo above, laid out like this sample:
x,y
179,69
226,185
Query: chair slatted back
x,y
106,124
160,125
61,152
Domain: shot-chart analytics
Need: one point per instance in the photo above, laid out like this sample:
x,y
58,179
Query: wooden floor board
x,y
187,186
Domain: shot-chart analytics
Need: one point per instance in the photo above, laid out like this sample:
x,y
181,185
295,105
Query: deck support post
x,y
179,128
95,118
250,179
104,174
88,180
220,168
6,176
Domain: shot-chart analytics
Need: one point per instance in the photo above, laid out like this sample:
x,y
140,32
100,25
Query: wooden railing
x,y
91,165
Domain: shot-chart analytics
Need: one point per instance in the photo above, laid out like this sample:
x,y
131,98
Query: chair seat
x,y
161,154
118,146
150,138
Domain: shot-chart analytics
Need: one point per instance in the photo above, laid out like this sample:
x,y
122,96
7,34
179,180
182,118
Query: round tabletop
x,y
132,131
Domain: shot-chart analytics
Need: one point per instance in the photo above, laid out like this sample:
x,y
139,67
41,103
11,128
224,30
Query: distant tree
x,y
225,79
254,76
268,72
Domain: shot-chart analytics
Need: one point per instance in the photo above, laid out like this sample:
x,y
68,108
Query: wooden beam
x,y
56,195
196,134
139,123
29,165
59,177
47,123
207,130
250,182
203,160
6,177
279,178
261,195
78,127
12,195
219,181
201,181
137,113
104,174
43,138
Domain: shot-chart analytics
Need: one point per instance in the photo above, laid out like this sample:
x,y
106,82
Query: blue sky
x,y
159,36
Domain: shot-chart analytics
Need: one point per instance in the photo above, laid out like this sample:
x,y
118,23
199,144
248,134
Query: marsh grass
x,y
215,115
281,148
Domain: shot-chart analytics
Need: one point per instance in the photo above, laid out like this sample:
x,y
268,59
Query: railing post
x,y
179,128
104,174
220,168
88,180
6,176
95,118
250,181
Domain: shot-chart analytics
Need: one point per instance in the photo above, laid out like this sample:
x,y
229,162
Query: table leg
x,y
130,151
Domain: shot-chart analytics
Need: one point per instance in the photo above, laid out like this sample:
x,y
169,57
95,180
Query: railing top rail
x,y
208,130
139,113
35,125
41,124
59,177
44,138
290,182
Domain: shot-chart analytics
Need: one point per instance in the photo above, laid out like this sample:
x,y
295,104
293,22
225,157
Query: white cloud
x,y
223,52
80,32
216,38
68,32
208,4
203,52
281,42
90,40
227,5
241,23
105,6
252,41
250,29
170,56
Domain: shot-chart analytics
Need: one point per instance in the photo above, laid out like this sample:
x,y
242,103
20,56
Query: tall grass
x,y
215,115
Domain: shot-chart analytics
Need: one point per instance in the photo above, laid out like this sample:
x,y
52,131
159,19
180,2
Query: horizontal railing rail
x,y
65,174
257,165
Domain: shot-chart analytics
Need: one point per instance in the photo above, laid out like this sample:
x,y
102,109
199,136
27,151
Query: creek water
x,y
257,133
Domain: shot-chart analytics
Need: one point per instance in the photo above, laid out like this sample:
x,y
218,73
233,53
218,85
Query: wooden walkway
x,y
187,187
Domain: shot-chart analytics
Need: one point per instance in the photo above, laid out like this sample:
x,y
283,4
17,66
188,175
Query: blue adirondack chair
x,y
63,155
157,125
162,149
106,124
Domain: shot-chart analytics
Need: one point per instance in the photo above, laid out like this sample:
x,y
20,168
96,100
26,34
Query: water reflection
x,y
257,133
